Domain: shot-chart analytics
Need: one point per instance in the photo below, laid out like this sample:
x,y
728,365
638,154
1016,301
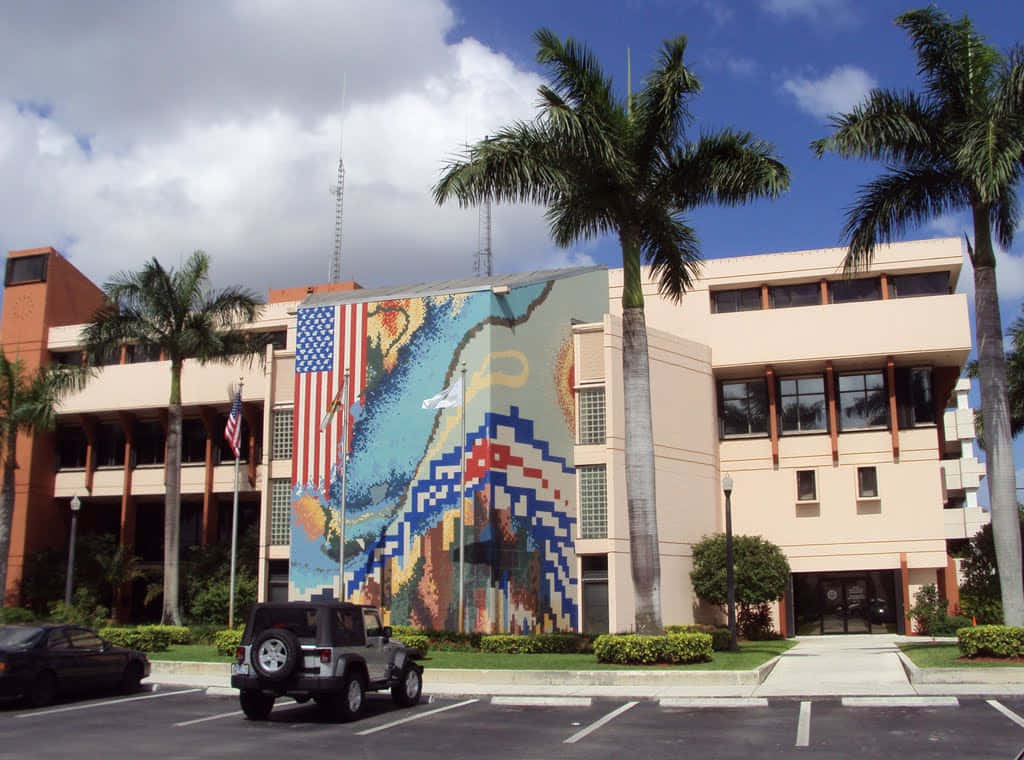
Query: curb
x,y
995,676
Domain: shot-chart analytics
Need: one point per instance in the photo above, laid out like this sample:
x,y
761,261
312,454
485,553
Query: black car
x,y
39,661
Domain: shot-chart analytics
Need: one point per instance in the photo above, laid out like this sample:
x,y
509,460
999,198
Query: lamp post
x,y
76,504
730,579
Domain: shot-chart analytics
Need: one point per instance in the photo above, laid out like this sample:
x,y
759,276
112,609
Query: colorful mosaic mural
x,y
401,490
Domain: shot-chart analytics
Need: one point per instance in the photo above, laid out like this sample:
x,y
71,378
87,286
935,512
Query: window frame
x,y
595,440
896,279
886,425
860,483
722,434
15,261
774,290
781,405
814,487
854,282
739,293
589,525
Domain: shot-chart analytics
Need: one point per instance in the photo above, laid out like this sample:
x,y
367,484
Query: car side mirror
x,y
386,633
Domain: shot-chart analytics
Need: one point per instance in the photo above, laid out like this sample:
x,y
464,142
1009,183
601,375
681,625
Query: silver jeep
x,y
331,652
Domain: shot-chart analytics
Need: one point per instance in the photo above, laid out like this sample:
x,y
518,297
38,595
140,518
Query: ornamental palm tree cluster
x,y
174,313
956,146
606,165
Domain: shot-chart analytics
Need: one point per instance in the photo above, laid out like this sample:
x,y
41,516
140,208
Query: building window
x,y
802,401
867,483
109,445
193,442
744,408
137,354
71,447
66,358
864,289
593,501
803,294
280,512
806,487
863,401
925,284
24,269
281,434
745,299
149,443
592,415
914,396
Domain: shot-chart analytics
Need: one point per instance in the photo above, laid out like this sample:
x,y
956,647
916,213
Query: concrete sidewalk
x,y
818,666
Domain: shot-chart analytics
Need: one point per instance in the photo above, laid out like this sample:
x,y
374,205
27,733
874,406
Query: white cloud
x,y
831,11
835,93
173,127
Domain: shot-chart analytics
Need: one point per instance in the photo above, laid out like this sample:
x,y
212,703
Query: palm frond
x,y
574,70
583,213
660,110
887,125
1005,217
672,250
886,206
728,168
989,151
1010,97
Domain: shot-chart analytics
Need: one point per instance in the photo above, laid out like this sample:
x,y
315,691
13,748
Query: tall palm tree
x,y
27,405
958,145
607,165
175,313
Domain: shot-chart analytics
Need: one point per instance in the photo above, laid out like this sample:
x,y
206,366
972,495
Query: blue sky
x,y
129,131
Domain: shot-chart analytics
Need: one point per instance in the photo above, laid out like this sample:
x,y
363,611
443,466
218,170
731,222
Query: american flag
x,y
233,430
328,340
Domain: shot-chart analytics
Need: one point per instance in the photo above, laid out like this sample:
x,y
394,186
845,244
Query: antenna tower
x,y
482,258
338,191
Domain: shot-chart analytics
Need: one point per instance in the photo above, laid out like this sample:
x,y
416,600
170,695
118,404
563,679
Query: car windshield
x,y
18,636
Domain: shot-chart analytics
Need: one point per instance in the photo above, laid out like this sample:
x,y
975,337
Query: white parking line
x,y
600,722
105,702
901,702
1007,712
713,702
283,706
542,701
417,716
803,725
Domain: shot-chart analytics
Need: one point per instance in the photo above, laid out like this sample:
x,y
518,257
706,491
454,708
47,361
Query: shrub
x,y
176,634
720,637
417,642
451,641
210,603
950,624
148,638
203,633
227,640
634,649
929,611
83,611
991,641
16,615
754,623
539,643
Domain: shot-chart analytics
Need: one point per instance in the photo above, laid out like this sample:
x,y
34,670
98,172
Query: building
x,y
825,398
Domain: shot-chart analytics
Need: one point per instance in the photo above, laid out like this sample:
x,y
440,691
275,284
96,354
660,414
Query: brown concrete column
x,y
951,585
773,419
824,292
126,538
894,422
766,298
252,420
885,286
833,420
210,504
89,426
783,618
905,583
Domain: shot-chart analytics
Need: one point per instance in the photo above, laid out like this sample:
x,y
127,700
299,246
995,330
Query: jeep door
x,y
377,655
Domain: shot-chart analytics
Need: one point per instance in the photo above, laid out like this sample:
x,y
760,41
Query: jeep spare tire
x,y
275,654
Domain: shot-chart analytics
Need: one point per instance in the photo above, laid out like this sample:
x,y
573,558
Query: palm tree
x,y
176,314
606,165
27,404
959,145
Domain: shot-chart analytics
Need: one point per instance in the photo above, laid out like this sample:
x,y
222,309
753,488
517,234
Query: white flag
x,y
450,396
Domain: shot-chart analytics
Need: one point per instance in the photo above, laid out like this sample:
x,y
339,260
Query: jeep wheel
x,y
275,654
349,703
407,689
255,704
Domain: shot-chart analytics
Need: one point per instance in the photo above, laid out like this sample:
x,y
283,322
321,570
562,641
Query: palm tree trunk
x,y
7,508
645,560
172,503
996,416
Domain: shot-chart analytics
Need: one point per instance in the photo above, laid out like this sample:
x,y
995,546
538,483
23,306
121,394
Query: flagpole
x,y
344,475
234,528
462,507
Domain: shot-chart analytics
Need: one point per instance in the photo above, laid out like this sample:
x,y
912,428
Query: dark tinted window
x,y
193,442
69,358
724,301
927,284
302,621
867,482
744,409
135,354
71,447
26,269
863,401
844,291
802,404
149,443
84,639
57,639
804,294
806,488
109,445
18,636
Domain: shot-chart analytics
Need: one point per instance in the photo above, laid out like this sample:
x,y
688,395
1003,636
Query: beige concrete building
x,y
835,404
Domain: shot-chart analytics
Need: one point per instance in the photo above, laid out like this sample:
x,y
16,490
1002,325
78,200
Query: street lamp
x,y
730,580
76,504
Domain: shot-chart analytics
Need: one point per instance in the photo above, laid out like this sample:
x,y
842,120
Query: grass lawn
x,y
190,653
946,656
751,655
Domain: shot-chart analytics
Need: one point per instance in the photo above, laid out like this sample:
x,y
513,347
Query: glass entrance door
x,y
845,605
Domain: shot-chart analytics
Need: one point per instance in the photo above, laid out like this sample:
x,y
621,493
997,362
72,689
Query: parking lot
x,y
189,723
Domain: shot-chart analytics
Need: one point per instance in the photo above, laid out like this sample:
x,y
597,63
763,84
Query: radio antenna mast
x,y
482,265
338,191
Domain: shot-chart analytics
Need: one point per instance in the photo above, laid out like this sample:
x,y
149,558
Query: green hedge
x,y
178,634
633,649
539,643
228,640
719,636
10,615
417,642
148,638
991,641
442,641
